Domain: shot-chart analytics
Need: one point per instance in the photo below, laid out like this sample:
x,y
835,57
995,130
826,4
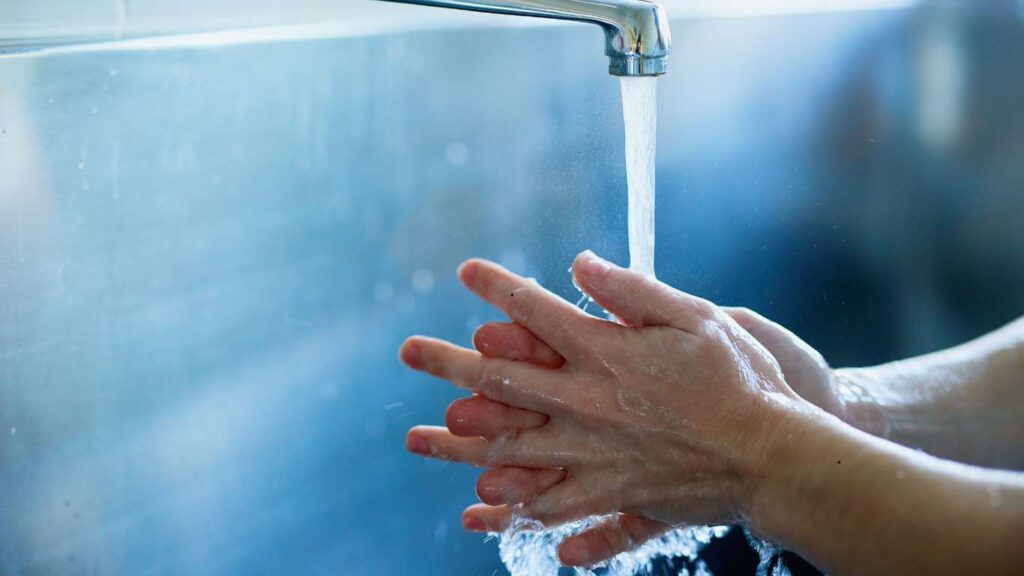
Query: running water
x,y
640,111
526,548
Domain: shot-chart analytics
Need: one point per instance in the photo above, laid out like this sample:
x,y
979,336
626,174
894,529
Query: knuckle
x,y
743,314
502,450
512,447
714,343
706,327
711,323
704,310
600,404
522,304
696,311
491,384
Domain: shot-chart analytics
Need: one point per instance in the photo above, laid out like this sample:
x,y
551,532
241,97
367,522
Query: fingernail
x,y
418,445
467,272
592,264
410,354
473,524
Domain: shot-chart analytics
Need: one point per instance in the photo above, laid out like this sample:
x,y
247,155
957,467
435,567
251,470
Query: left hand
x,y
666,422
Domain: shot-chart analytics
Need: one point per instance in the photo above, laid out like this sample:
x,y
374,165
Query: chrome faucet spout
x,y
637,36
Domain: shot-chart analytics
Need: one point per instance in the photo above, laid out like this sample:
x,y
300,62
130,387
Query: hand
x,y
665,421
477,416
804,369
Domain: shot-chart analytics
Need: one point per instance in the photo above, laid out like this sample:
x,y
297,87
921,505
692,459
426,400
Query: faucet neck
x,y
637,35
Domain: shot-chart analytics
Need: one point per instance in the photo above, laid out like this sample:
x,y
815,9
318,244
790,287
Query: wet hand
x,y
476,416
664,422
803,368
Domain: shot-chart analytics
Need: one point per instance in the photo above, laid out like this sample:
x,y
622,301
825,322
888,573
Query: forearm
x,y
855,504
966,403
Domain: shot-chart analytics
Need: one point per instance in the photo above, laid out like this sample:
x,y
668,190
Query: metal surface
x,y
637,36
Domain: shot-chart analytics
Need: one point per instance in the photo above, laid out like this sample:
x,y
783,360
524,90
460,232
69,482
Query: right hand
x,y
804,369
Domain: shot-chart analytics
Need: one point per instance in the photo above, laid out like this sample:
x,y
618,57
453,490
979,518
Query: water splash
x,y
529,550
770,561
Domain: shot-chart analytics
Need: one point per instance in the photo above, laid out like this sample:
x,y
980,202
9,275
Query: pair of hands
x,y
659,420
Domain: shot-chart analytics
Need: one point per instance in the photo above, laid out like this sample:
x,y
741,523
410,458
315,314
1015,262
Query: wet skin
x,y
803,367
572,413
688,413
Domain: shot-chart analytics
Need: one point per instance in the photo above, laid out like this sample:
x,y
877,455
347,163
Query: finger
x,y
514,383
478,416
511,485
569,500
438,443
636,299
768,333
513,342
484,518
804,368
614,536
558,323
458,365
799,361
787,347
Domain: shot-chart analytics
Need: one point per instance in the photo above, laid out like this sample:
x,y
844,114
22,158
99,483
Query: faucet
x,y
637,38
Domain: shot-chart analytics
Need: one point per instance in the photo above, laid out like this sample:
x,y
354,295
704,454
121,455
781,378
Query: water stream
x,y
640,112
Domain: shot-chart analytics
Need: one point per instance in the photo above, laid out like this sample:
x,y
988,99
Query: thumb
x,y
637,299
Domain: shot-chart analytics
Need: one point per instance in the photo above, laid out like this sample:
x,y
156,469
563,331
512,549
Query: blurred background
x,y
212,245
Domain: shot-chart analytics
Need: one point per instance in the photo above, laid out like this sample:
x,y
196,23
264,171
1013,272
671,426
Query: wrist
x,y
859,405
802,448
